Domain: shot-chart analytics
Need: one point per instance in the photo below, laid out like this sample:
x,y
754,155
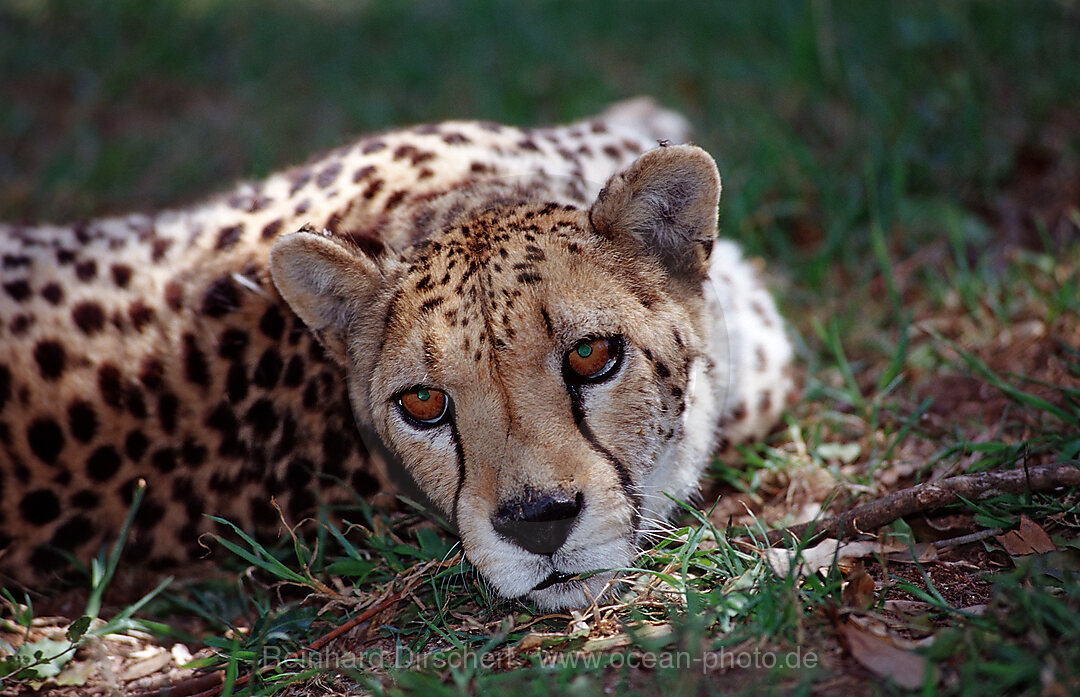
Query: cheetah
x,y
536,327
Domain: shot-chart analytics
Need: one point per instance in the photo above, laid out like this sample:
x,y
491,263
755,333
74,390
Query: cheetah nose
x,y
538,522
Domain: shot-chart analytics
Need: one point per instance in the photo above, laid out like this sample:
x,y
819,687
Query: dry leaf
x,y
147,666
881,656
1029,538
907,607
858,590
921,553
821,556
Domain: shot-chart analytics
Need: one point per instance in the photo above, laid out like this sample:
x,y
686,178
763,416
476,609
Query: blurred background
x,y
828,118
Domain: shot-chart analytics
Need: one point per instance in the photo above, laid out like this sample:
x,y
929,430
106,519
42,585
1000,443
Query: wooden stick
x,y
868,517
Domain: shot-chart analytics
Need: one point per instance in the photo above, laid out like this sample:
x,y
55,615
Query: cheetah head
x,y
539,369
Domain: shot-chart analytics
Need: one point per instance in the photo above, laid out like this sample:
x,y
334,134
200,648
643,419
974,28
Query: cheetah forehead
x,y
519,281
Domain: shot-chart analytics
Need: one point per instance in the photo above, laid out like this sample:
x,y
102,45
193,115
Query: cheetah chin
x,y
548,358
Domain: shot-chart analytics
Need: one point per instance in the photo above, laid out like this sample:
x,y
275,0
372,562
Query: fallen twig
x,y
868,517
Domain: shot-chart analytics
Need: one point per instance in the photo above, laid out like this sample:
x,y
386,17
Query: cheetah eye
x,y
592,360
424,406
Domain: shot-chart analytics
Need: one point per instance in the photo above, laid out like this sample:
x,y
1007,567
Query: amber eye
x,y
425,405
594,359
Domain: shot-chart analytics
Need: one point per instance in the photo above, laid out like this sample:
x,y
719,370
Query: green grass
x,y
867,150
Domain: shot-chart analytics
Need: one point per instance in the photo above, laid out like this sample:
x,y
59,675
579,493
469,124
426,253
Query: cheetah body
x,y
236,364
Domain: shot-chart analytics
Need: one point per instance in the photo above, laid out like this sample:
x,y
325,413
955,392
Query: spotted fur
x,y
253,348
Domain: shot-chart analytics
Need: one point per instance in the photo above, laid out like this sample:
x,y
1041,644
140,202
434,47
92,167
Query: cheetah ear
x,y
325,284
666,200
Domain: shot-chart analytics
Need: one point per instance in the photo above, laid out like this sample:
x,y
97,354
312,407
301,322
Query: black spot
x,y
272,323
362,173
174,296
14,261
86,270
268,370
221,297
223,419
148,516
287,441
372,189
232,344
82,421
394,200
136,402
140,315
298,475
103,463
152,374
86,499
547,321
236,383
430,304
121,275
164,460
336,448
272,228
294,372
135,445
263,515
311,394
53,293
46,560
528,278
193,452
74,533
160,563
65,256
50,357
364,484
46,439
662,370
300,179
20,323
168,405
111,385
301,504
19,290
328,175
262,417
196,369
372,146
40,507
229,236
316,352
88,316
159,248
